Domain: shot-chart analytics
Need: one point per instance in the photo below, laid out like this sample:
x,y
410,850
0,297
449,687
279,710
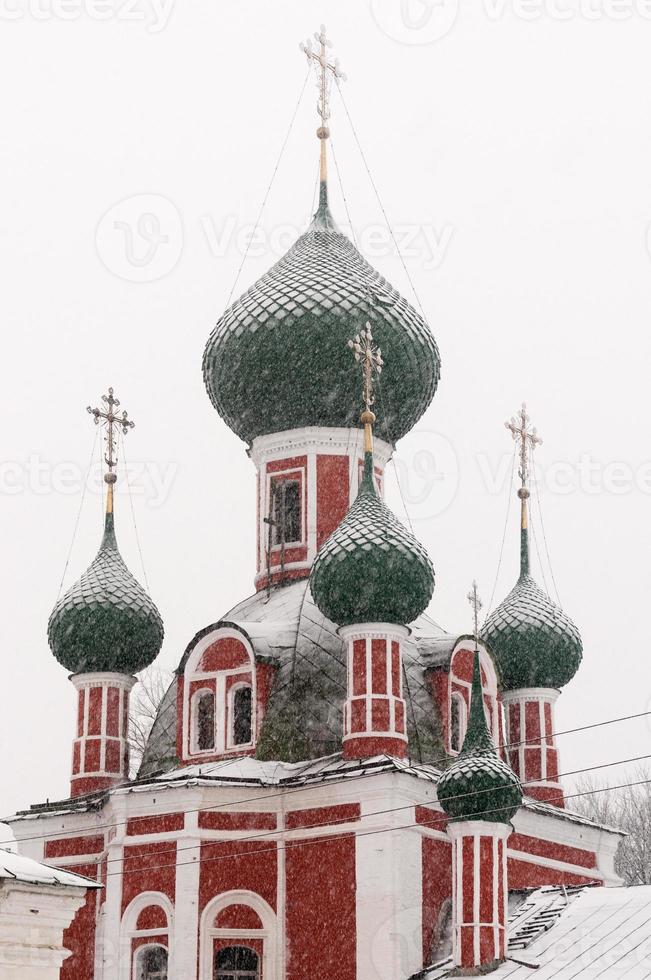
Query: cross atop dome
x,y
370,357
476,603
528,437
326,72
110,418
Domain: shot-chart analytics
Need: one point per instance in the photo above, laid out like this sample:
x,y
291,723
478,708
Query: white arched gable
x,y
271,969
489,687
192,673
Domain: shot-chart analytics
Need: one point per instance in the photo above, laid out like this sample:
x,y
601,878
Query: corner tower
x,y
104,630
537,649
276,369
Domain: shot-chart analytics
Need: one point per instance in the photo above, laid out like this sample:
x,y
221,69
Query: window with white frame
x,y
203,720
241,727
151,963
286,515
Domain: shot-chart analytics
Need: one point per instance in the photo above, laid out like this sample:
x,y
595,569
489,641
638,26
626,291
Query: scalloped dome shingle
x,y
479,785
371,569
534,643
106,621
277,358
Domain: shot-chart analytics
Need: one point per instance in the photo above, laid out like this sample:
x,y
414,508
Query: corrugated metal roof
x,y
575,934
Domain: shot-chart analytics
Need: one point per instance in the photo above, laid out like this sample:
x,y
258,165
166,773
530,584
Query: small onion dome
x,y
479,785
533,642
106,621
277,358
371,569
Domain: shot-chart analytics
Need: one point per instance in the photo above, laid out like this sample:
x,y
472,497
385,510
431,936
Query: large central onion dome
x,y
106,621
479,785
277,358
371,569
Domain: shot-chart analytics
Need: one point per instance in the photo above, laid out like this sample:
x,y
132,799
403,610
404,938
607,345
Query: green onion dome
x,y
371,569
479,785
532,641
106,621
277,357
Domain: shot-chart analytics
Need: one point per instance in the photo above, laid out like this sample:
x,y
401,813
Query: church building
x,y
335,787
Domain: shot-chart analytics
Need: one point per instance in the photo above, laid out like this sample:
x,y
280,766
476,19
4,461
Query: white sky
x,y
523,146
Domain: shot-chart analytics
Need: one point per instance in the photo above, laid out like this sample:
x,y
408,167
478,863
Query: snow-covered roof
x,y
579,933
287,629
16,867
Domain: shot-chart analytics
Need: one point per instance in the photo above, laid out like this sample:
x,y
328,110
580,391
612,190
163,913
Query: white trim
x,y
338,440
374,631
194,721
463,720
268,933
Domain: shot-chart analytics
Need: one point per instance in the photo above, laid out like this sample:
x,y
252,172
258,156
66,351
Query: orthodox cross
x,y
110,418
476,603
370,358
326,71
528,438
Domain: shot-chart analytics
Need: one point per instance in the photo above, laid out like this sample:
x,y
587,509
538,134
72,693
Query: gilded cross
x,y
476,603
527,437
110,418
325,72
370,358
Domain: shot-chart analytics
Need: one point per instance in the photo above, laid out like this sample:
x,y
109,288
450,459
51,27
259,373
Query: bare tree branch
x,y
145,702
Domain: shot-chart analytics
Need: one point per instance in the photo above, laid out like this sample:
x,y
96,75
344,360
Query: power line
x,y
301,789
79,510
367,833
266,196
389,810
506,525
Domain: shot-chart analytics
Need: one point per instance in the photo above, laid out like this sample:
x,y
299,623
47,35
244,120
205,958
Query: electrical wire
x,y
389,810
121,441
288,791
506,524
79,510
365,833
542,526
251,237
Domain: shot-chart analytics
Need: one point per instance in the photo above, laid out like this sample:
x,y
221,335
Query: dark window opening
x,y
286,511
236,963
205,708
151,963
242,716
456,713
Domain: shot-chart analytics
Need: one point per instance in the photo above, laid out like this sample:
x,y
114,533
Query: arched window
x,y
151,963
242,721
204,720
457,721
236,963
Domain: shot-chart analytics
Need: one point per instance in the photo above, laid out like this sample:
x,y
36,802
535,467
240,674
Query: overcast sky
x,y
511,146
